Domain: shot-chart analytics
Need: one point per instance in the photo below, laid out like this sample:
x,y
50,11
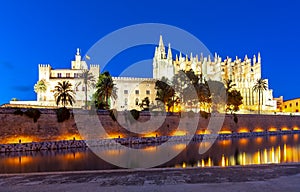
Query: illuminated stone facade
x,y
291,106
243,73
131,91
51,77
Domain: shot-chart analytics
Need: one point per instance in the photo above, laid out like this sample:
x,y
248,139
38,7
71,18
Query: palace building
x,y
131,90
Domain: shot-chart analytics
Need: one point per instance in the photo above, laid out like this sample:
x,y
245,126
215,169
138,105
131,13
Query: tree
x,y
165,93
229,85
260,86
234,100
88,81
64,93
105,88
234,97
40,87
145,104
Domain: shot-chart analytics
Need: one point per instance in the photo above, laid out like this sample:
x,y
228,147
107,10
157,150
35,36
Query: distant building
x,y
51,77
291,106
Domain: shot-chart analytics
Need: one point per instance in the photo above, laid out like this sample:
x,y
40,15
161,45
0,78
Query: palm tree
x,y
64,93
260,86
40,87
88,81
105,88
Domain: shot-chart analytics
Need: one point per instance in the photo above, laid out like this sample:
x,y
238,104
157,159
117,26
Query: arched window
x,y
136,101
126,101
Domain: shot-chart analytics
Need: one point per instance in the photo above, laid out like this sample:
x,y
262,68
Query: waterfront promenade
x,y
280,177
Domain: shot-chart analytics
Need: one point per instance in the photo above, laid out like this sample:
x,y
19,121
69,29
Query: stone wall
x,y
20,127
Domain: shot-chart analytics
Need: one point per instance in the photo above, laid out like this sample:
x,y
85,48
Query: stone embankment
x,y
39,146
58,145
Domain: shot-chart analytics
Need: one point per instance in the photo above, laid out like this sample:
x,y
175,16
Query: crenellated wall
x,y
20,127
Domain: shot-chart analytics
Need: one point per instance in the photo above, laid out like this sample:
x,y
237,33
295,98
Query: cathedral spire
x,y
169,52
161,48
258,58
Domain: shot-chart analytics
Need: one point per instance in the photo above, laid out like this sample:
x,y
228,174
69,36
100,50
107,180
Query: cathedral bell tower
x,y
162,63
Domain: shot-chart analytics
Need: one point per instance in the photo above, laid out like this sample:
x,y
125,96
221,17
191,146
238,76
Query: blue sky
x,y
34,32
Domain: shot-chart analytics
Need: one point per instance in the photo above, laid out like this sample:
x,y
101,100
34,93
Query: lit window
x,y
125,91
147,92
137,92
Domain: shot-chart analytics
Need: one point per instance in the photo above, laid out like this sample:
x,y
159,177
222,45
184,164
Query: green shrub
x,y
33,113
62,114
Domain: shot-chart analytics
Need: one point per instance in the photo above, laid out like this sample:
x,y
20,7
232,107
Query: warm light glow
x,y
19,139
258,157
285,129
272,129
202,163
225,132
19,160
179,133
179,147
258,140
209,163
296,128
243,141
223,161
284,153
225,142
284,138
296,137
150,148
151,135
115,136
243,130
273,139
265,156
258,129
183,165
69,137
203,132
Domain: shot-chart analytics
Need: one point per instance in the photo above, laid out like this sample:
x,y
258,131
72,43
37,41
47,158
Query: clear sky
x,y
35,31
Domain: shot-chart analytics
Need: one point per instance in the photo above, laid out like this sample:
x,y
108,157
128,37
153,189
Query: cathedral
x,y
243,72
132,90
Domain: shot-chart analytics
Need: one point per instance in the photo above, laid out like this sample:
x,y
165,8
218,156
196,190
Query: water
x,y
230,152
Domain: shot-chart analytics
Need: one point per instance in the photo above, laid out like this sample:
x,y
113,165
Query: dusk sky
x,y
48,32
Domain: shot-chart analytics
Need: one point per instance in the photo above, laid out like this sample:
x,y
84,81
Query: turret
x,y
258,58
169,52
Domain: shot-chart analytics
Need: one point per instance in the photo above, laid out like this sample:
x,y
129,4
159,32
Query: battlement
x,y
94,66
44,66
133,79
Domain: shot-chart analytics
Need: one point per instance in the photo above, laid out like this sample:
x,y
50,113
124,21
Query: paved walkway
x,y
249,178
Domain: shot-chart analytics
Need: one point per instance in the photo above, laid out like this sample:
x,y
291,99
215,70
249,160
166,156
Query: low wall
x,y
20,128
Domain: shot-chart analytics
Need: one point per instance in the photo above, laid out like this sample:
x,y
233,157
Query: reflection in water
x,y
228,152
